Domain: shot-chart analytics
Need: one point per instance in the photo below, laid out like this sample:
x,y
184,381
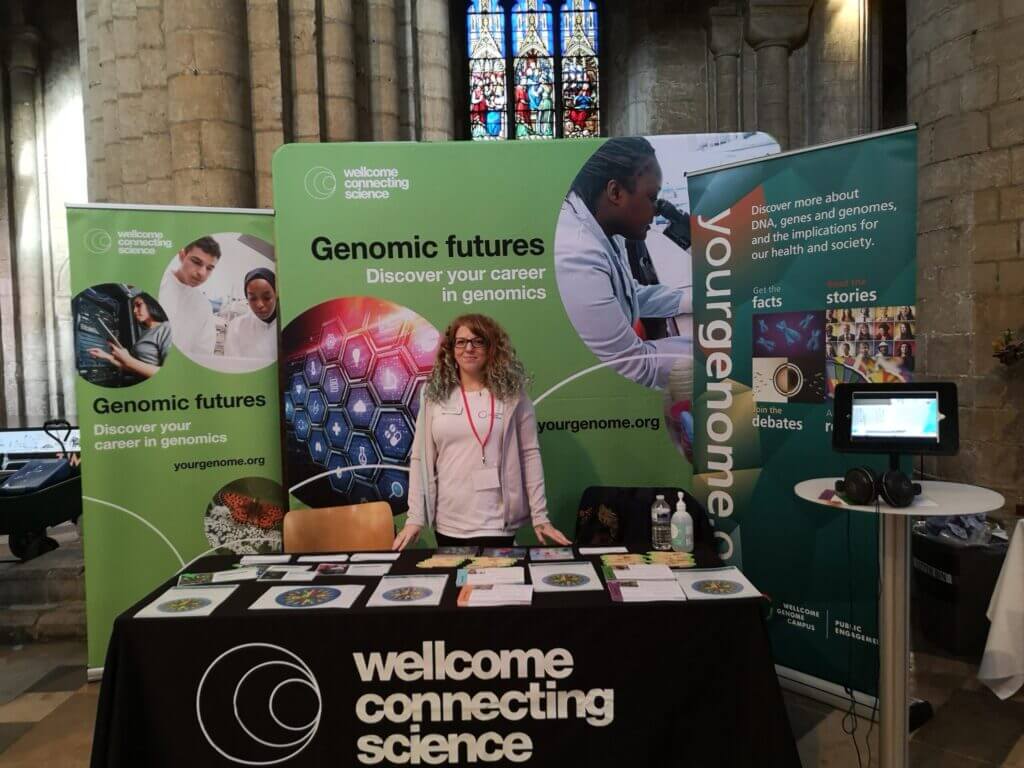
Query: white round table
x,y
937,498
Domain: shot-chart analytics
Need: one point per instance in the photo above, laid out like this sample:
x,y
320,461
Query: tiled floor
x,y
47,711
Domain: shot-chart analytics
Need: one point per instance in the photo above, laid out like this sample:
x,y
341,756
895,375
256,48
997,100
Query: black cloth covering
x,y
693,682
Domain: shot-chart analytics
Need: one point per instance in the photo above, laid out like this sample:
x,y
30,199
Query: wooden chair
x,y
353,527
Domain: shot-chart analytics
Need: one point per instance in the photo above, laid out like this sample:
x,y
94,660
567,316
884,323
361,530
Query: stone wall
x,y
966,91
42,166
186,100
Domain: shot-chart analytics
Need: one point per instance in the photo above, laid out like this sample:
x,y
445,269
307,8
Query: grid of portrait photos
x,y
802,356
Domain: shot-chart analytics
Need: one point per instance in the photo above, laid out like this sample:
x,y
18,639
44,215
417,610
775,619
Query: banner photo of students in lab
x,y
175,317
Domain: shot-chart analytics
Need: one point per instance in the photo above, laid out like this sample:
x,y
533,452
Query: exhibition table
x,y
1002,665
573,679
937,498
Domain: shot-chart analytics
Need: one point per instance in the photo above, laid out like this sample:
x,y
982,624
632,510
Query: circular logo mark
x,y
407,594
566,580
97,241
263,670
320,182
183,605
718,587
307,597
788,380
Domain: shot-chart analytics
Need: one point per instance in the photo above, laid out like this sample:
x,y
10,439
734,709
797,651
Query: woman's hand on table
x,y
406,536
546,531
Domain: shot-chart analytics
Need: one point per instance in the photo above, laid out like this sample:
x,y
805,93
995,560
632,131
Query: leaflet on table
x,y
564,577
332,569
475,595
306,598
518,553
282,574
457,551
638,572
369,569
218,577
671,559
371,557
641,591
397,591
264,559
442,561
186,601
475,576
323,559
542,554
602,550
716,584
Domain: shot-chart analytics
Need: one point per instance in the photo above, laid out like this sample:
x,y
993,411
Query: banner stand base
x,y
94,674
833,695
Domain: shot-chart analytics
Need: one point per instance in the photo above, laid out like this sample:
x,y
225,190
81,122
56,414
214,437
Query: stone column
x,y
835,68
435,73
129,101
23,69
156,139
725,39
208,102
92,106
382,64
338,49
10,402
303,50
271,116
774,27
112,191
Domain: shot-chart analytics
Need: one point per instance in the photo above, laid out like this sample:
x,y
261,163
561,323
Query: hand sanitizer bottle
x,y
682,527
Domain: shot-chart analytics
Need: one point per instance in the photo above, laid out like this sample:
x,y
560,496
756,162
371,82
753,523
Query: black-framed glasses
x,y
475,343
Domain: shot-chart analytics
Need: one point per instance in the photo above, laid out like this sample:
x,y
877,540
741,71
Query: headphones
x,y
862,485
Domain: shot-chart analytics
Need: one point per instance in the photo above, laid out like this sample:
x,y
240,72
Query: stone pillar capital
x,y
725,30
23,49
777,23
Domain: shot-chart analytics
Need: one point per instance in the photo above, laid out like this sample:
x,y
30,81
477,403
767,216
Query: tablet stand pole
x,y
894,638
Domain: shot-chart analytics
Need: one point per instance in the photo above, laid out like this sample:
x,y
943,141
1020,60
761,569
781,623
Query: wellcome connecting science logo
x,y
251,682
361,183
240,702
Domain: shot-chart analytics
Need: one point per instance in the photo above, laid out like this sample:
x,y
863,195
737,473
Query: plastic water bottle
x,y
661,516
682,527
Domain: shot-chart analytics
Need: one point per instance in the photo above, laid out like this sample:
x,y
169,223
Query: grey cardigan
x,y
520,468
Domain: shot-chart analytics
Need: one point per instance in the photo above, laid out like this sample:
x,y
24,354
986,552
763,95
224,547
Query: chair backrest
x,y
353,527
622,515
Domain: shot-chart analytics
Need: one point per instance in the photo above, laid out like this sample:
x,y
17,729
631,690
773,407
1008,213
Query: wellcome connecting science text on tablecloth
x,y
542,699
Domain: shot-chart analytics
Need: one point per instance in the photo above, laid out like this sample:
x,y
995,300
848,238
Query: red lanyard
x,y
472,424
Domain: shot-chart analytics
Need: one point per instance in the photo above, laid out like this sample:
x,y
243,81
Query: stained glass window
x,y
533,46
533,69
488,83
580,70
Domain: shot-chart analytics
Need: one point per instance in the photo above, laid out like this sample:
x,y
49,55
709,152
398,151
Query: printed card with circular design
x,y
307,597
564,577
398,591
186,601
716,584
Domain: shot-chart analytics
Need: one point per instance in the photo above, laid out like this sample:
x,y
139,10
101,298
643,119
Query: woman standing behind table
x,y
149,351
254,334
475,473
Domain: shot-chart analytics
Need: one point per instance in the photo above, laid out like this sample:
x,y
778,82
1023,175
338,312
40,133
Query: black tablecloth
x,y
667,684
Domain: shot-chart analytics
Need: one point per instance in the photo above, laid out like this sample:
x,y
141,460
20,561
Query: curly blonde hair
x,y
504,373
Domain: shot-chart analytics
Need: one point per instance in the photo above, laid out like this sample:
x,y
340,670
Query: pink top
x,y
444,458
458,457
